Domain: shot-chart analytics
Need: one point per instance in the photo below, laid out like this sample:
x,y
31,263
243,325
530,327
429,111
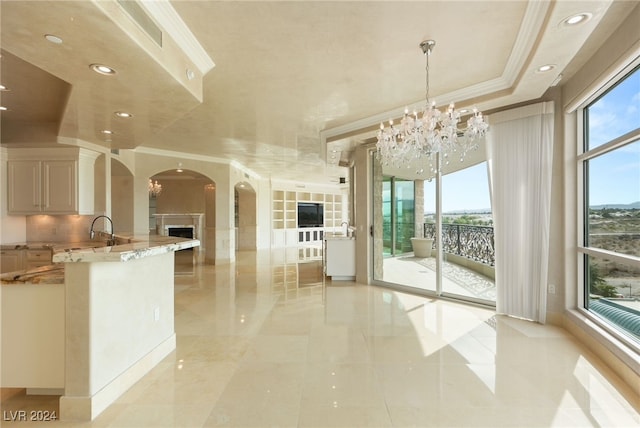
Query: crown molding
x,y
532,24
166,16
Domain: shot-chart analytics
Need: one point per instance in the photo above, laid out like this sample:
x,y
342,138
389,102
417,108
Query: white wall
x,y
263,216
247,218
122,203
117,314
181,196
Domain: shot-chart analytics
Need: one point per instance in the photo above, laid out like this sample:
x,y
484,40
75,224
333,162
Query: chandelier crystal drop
x,y
421,136
154,188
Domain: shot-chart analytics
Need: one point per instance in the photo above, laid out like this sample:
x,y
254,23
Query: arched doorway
x,y
184,205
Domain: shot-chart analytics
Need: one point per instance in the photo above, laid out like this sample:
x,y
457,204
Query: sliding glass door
x,y
467,235
409,226
394,227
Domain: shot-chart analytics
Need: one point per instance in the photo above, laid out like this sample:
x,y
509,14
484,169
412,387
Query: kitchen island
x,y
116,304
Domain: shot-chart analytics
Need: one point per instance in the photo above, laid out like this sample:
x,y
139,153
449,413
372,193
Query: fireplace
x,y
192,221
182,231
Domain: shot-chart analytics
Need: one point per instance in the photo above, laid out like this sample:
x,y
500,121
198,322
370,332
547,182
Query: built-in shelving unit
x,y
285,217
284,209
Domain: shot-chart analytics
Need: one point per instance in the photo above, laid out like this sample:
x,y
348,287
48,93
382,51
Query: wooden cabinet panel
x,y
11,260
59,187
58,181
24,186
37,258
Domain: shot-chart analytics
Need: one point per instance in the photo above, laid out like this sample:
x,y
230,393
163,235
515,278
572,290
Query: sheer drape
x,y
519,153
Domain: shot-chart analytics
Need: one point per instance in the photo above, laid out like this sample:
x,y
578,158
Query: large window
x,y
610,245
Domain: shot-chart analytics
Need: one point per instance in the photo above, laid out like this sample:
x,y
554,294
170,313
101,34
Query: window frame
x,y
582,251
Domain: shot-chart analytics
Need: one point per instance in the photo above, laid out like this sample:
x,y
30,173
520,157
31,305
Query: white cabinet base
x,y
340,259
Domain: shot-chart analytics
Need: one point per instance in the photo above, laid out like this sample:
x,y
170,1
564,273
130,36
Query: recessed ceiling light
x,y
464,110
3,108
190,74
103,69
576,19
53,39
107,131
545,68
123,114
3,88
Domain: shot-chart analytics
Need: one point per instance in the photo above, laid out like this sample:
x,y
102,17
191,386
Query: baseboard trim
x,y
88,408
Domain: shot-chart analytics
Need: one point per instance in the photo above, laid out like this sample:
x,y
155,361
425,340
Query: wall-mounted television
x,y
310,214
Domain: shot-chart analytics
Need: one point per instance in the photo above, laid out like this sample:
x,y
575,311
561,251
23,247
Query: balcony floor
x,y
420,273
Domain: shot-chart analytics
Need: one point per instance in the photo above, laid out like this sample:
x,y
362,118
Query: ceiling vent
x,y
135,11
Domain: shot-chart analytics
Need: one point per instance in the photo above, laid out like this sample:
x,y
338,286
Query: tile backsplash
x,y
59,228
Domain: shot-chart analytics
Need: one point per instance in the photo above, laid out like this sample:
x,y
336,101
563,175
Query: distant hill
x,y
635,205
463,212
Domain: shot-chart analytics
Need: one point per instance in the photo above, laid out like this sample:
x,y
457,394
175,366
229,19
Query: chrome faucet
x,y
112,240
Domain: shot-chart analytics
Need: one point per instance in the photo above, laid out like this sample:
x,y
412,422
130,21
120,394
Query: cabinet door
x,y
23,186
60,186
11,261
37,258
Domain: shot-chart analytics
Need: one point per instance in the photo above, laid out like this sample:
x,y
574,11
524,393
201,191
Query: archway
x,y
184,205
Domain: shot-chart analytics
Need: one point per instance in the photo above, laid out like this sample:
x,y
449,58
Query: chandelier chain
x,y
427,54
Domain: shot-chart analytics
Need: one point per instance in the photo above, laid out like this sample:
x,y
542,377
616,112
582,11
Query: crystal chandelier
x,y
154,188
423,136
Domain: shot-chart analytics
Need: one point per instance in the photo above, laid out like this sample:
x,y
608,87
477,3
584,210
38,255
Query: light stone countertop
x,y
330,237
52,274
128,248
133,247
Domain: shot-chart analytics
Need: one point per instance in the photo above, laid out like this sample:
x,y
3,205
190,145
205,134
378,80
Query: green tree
x,y
597,284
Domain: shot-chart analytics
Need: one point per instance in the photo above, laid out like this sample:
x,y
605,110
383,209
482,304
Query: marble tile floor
x,y
261,344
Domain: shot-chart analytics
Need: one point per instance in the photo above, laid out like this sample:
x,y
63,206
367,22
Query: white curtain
x,y
520,154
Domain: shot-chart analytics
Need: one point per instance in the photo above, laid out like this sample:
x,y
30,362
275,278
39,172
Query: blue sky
x,y
467,189
614,177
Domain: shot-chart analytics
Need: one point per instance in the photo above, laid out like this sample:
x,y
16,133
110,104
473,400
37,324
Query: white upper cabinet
x,y
50,181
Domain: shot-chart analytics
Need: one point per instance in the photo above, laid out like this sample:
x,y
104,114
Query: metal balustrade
x,y
473,242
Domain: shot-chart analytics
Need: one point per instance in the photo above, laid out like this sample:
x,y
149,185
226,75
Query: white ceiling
x,y
292,82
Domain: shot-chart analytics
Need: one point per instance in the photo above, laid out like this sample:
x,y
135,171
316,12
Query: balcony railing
x,y
473,242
